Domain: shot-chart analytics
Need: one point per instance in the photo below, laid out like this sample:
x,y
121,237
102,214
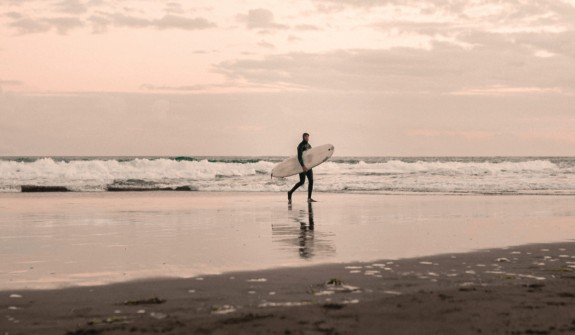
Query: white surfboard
x,y
311,158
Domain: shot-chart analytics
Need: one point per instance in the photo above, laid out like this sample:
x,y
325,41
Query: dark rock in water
x,y
184,158
39,188
131,189
185,188
117,189
112,188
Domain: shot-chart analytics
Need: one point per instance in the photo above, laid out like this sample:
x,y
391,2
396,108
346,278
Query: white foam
x,y
439,176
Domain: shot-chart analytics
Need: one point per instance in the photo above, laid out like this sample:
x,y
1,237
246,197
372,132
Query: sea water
x,y
438,175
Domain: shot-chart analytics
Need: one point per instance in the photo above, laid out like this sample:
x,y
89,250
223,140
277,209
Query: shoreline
x,y
111,188
517,290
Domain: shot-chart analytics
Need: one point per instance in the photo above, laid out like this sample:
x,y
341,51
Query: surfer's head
x,y
305,136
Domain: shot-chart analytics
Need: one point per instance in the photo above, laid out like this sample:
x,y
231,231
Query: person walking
x,y
301,148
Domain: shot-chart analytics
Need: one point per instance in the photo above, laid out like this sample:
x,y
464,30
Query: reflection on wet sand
x,y
309,242
54,240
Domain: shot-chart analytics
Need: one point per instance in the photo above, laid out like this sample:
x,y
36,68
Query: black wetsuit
x,y
303,146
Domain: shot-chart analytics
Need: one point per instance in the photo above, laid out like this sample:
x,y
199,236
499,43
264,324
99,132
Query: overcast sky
x,y
233,77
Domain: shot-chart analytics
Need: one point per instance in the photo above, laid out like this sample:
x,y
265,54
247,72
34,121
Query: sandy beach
x,y
226,263
520,290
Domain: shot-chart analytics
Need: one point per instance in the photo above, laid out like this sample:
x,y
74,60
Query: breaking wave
x,y
474,175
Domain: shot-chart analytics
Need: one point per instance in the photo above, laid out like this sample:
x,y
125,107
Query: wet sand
x,y
70,239
228,263
519,290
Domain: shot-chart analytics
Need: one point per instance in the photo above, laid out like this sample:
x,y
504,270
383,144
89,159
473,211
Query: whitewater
x,y
387,175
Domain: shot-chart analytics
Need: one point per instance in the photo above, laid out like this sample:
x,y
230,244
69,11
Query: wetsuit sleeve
x,y
300,150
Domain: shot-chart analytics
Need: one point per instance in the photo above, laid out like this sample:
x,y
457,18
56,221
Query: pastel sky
x,y
233,77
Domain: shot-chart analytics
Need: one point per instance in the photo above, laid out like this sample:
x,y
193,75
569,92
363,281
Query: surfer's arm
x,y
300,150
303,146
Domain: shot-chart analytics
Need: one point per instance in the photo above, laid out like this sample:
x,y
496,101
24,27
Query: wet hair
x,y
304,134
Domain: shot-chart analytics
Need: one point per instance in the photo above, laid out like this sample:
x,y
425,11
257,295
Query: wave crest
x,y
344,175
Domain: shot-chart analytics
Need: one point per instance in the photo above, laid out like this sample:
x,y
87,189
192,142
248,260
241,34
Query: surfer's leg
x,y
309,174
300,183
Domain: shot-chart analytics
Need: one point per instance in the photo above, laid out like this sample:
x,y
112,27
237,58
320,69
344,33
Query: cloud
x,y
86,13
459,47
293,39
72,6
548,44
30,26
180,22
174,8
13,15
169,21
266,45
99,23
486,7
445,69
27,25
307,27
123,20
452,18
64,24
260,19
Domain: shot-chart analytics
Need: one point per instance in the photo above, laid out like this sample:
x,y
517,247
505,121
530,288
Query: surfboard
x,y
311,158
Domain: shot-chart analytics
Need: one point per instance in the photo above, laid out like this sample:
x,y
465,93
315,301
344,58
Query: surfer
x,y
303,146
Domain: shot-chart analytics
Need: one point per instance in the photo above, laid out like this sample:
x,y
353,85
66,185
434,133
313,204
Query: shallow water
x,y
54,240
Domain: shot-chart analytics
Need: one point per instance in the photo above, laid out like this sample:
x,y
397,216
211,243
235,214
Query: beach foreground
x,y
85,239
228,263
519,290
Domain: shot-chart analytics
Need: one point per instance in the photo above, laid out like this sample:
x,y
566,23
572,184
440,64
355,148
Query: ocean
x,y
386,175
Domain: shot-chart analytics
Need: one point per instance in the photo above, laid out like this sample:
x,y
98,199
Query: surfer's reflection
x,y
310,214
309,242
306,234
